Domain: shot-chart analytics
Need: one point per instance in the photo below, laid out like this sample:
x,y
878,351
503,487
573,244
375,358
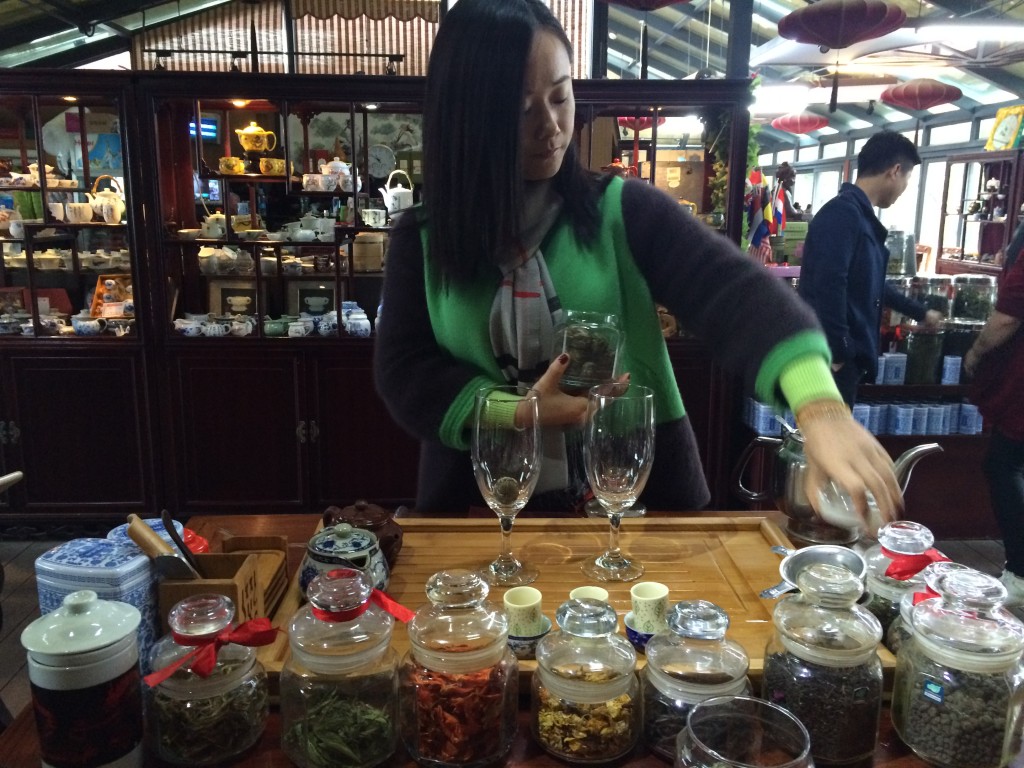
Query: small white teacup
x,y
523,607
649,600
589,593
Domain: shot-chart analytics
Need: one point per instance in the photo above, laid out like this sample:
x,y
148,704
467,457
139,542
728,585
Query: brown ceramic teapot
x,y
373,518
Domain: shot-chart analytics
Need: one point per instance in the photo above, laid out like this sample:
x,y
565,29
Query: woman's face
x,y
549,108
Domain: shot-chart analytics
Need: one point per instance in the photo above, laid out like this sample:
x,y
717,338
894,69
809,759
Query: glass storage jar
x,y
895,245
593,341
585,705
892,319
957,691
974,296
459,682
895,563
901,627
923,347
933,291
687,663
339,687
960,336
195,718
821,664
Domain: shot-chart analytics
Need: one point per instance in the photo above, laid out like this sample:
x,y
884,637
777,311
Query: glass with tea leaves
x,y
592,341
506,452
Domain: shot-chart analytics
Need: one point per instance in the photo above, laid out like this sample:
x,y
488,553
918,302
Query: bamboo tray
x,y
722,559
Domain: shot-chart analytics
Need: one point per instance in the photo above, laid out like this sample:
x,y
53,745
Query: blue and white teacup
x,y
88,326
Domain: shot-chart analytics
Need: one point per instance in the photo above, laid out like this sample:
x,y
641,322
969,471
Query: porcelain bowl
x,y
526,647
189,234
635,636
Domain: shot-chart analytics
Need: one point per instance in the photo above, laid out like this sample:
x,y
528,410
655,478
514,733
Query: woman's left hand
x,y
843,451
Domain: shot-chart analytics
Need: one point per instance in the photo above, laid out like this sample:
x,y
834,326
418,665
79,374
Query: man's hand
x,y
933,318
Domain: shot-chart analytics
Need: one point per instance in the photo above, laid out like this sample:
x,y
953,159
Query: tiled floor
x,y
19,603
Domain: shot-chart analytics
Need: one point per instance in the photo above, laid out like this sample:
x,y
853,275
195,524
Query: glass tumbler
x,y
740,731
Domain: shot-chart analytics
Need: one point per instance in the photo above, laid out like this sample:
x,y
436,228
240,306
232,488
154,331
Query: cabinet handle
x,y
314,431
300,432
3,433
14,432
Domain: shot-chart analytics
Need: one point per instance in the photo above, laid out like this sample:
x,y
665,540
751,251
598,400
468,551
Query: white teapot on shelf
x,y
397,198
112,200
343,171
214,226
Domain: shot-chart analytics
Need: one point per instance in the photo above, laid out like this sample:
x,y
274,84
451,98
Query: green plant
x,y
717,127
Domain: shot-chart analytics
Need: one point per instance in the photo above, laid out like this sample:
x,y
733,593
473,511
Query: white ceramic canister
x,y
83,663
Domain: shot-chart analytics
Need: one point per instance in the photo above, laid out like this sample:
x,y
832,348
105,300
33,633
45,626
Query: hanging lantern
x,y
920,93
800,122
637,124
840,24
646,5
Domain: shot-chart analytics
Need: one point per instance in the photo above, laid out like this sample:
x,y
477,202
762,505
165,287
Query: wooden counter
x,y
725,559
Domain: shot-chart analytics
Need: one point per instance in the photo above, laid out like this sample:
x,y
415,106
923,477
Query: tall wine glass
x,y
618,449
506,460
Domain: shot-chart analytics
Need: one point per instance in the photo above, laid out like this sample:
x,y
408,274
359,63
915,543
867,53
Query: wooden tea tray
x,y
722,559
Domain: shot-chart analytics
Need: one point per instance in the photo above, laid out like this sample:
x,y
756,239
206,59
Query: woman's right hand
x,y
558,408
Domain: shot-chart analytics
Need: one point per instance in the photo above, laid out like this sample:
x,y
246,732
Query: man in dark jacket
x,y
842,275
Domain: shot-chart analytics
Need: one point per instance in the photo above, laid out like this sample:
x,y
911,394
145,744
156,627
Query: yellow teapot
x,y
255,139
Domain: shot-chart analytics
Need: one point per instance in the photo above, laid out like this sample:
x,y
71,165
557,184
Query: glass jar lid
x,y
900,537
974,280
693,654
968,628
194,621
823,623
459,629
586,660
340,628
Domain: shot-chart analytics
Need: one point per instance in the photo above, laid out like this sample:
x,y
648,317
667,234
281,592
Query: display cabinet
x,y
74,415
982,194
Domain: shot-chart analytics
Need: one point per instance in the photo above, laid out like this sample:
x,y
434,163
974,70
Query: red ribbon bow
x,y
905,567
928,594
203,657
397,610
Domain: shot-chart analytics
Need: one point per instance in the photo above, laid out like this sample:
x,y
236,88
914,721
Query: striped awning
x,y
402,10
332,37
205,41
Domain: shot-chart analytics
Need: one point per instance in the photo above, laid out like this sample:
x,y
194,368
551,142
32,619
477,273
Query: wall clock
x,y
381,161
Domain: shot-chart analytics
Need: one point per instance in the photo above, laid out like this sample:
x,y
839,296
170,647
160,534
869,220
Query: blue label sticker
x,y
933,691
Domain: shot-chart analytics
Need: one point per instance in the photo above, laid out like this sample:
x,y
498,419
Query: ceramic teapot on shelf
x,y
786,485
255,139
344,546
373,518
397,198
112,201
214,226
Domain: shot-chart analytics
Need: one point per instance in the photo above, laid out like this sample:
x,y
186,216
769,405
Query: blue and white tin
x,y
904,422
120,533
969,419
111,570
951,369
919,425
935,419
862,415
895,367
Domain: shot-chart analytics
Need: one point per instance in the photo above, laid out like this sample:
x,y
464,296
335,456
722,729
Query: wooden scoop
x,y
167,563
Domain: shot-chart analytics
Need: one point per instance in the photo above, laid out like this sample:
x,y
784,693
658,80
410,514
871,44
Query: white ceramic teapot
x,y
334,166
215,226
397,198
112,200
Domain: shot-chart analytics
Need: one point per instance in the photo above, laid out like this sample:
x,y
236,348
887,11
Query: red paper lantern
x,y
841,23
646,5
638,124
800,122
920,94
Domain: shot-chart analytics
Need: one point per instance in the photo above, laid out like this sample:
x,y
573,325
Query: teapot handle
x,y
115,184
272,142
737,476
387,184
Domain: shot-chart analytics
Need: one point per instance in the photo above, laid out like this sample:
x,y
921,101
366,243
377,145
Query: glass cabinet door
x,y
67,262
980,213
277,213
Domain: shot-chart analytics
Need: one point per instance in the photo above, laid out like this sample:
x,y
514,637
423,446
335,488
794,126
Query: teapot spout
x,y
903,465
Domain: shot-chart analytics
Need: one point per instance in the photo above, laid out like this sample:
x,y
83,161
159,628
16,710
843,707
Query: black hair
x,y
884,150
472,177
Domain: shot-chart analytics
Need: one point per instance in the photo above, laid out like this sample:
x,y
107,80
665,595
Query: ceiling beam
x,y
88,51
29,31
